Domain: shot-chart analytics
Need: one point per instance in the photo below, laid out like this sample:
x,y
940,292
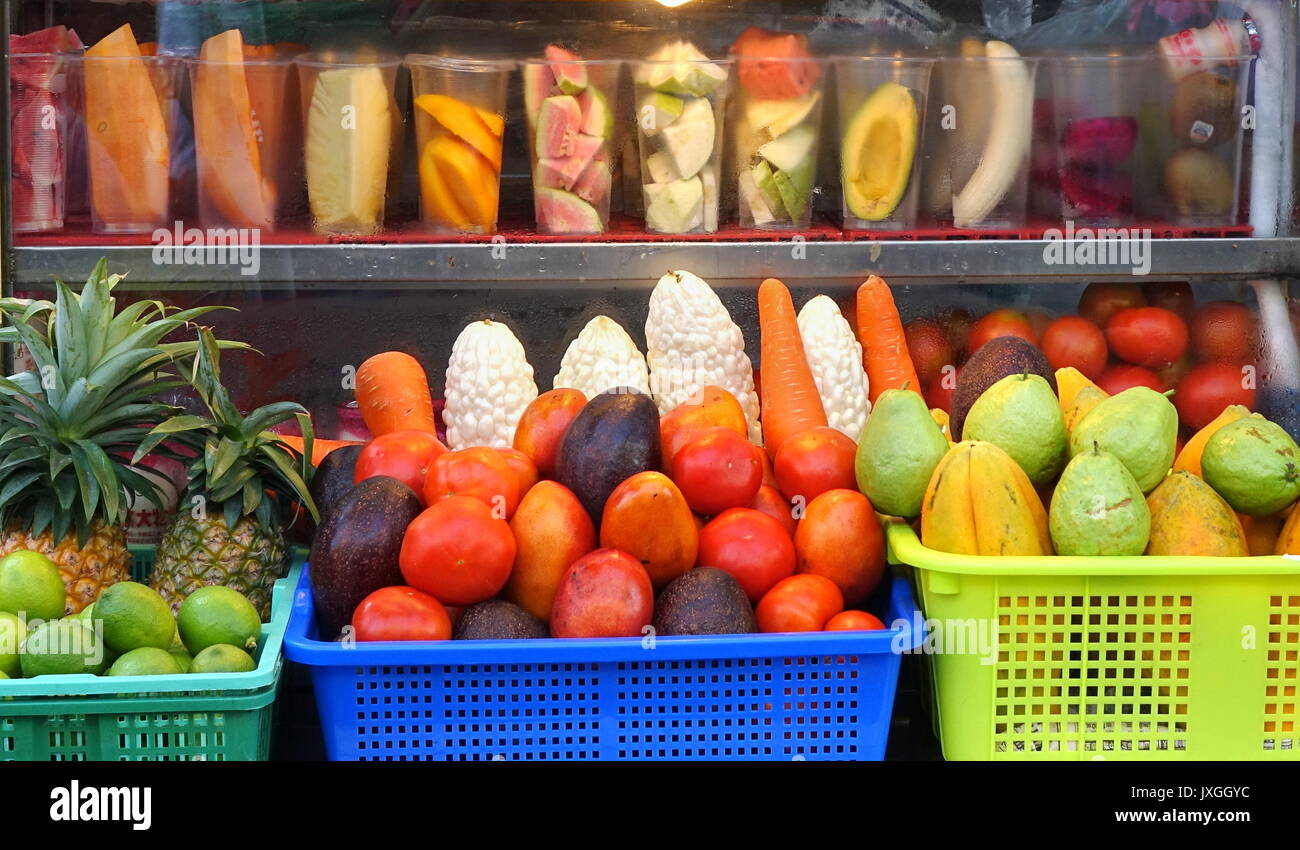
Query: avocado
x,y
333,478
704,601
497,619
877,152
997,358
355,549
613,437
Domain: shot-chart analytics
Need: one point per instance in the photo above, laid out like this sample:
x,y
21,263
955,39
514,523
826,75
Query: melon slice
x,y
126,135
225,139
440,205
349,131
474,184
464,120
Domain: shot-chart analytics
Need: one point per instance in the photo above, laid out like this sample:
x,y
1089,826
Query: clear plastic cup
x,y
573,114
775,130
352,130
460,108
41,112
130,106
680,106
247,138
985,108
882,102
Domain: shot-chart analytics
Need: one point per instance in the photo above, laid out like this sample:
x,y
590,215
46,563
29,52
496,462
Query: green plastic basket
x,y
211,717
1149,658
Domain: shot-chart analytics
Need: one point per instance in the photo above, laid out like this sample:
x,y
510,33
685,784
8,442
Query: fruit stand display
x,y
652,393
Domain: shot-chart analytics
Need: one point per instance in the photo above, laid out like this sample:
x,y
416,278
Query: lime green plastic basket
x,y
212,717
1145,658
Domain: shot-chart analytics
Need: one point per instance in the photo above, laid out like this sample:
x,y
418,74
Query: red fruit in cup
x,y
1099,141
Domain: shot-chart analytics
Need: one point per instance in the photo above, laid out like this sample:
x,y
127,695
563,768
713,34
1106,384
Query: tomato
x,y
769,500
1224,332
718,469
1147,336
1075,341
404,455
711,407
401,613
1175,296
957,323
605,593
458,550
839,538
802,603
1120,377
938,393
927,343
814,461
523,467
480,472
1206,390
542,426
854,621
1005,322
751,546
1038,320
1100,301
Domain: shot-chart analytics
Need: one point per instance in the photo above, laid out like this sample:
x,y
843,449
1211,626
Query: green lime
x,y
183,659
134,616
215,614
145,661
30,584
13,630
87,613
223,658
62,646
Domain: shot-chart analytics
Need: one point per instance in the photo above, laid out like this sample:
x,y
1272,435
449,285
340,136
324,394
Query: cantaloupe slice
x,y
474,183
440,205
126,135
463,120
349,132
229,157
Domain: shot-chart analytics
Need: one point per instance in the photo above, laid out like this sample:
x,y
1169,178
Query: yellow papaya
x,y
980,502
1288,542
1262,532
1081,404
1069,381
941,418
1189,518
1189,459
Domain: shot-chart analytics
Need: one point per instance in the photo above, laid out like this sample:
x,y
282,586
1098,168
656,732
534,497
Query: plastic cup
x,y
679,107
460,107
775,130
131,104
40,116
352,130
882,101
985,109
247,159
573,113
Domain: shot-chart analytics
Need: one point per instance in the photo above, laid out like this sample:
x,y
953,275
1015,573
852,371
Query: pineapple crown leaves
x,y
70,426
237,460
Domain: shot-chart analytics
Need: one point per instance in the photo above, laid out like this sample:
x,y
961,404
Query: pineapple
x,y
69,426
243,484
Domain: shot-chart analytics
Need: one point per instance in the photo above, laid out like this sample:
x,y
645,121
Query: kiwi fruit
x,y
1199,184
1203,111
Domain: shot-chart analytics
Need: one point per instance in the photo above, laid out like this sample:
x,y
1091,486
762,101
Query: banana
x,y
1007,142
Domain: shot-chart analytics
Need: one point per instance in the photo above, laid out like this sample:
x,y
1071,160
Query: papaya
x,y
126,135
980,502
1081,404
1288,542
1262,532
941,418
1189,518
1069,381
231,181
1189,458
468,124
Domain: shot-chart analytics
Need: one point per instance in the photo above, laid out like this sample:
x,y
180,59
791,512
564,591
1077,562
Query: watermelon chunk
x,y
764,67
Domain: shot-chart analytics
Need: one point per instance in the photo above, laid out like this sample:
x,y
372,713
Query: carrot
x,y
319,447
884,347
393,394
790,400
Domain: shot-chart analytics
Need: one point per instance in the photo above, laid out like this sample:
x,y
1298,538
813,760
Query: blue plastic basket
x,y
826,695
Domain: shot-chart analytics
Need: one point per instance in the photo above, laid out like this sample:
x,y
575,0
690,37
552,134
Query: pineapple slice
x,y
349,130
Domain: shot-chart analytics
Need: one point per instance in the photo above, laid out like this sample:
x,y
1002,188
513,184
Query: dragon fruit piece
x,y
1097,194
1099,141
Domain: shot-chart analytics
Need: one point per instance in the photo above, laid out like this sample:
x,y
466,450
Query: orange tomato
x,y
552,530
479,472
814,461
839,538
854,621
541,427
750,545
801,603
458,551
647,517
523,467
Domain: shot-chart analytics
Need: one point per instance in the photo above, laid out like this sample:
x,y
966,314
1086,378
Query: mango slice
x,y
465,122
440,205
474,184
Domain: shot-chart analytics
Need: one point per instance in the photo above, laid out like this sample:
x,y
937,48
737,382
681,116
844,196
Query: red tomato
x,y
1175,296
1075,341
938,393
1147,336
523,467
1005,322
957,322
1207,389
718,469
458,551
480,472
401,613
605,593
854,621
814,461
1100,301
769,500
1120,377
404,455
927,343
802,603
1224,332
752,546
